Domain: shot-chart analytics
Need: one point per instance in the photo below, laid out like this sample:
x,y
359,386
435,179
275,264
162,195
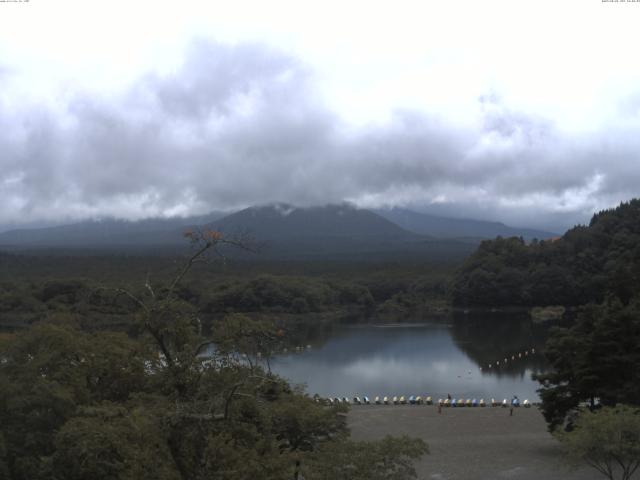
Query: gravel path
x,y
471,443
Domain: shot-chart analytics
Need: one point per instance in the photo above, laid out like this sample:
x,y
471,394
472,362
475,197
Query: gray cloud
x,y
241,125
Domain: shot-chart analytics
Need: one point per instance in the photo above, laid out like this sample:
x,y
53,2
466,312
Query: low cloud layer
x,y
240,125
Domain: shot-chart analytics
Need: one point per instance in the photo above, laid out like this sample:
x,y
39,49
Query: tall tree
x,y
595,361
608,441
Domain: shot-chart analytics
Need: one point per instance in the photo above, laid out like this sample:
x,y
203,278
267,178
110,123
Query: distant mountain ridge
x,y
106,232
446,227
283,230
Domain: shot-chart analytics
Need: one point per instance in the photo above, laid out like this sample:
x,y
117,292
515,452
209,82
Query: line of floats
x,y
514,357
418,400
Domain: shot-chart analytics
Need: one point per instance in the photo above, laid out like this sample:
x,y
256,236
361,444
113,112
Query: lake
x,y
422,359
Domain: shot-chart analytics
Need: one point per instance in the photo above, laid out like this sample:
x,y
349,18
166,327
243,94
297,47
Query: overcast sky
x,y
526,112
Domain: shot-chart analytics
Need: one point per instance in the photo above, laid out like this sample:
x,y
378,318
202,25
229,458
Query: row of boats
x,y
418,400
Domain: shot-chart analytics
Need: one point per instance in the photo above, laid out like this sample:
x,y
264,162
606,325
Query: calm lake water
x,y
422,359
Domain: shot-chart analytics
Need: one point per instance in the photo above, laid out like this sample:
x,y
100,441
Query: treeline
x,y
583,266
356,295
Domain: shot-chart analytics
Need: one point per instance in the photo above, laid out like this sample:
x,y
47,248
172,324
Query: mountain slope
x,y
106,232
281,221
444,227
335,232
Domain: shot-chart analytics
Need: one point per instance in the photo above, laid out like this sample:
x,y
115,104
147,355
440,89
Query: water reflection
x,y
421,359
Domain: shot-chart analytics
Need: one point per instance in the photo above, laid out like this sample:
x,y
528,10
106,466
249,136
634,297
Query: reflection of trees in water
x,y
299,330
490,337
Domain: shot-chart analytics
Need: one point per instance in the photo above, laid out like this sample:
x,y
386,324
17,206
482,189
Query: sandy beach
x,y
471,443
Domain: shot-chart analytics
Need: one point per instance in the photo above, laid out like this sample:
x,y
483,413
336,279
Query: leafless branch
x,y
147,284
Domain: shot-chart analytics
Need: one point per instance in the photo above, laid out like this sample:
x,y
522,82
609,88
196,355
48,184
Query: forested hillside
x,y
585,265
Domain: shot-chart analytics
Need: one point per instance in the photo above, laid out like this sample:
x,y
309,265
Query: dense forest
x,y
594,360
76,403
35,288
584,265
